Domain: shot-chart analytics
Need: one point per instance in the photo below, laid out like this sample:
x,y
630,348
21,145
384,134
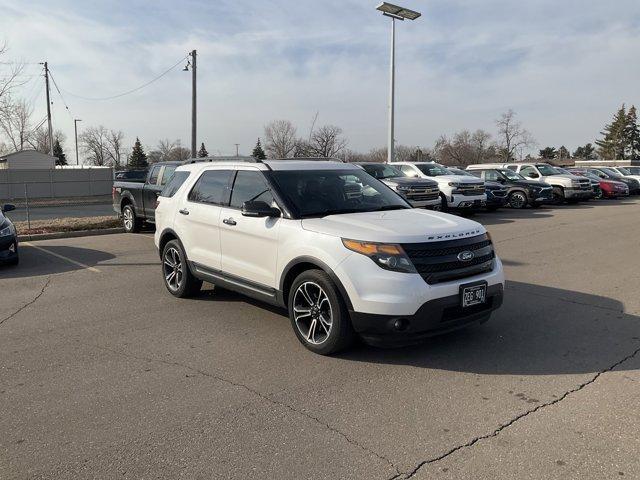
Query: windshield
x,y
318,193
432,169
610,172
590,176
634,170
546,170
563,171
510,174
383,171
623,171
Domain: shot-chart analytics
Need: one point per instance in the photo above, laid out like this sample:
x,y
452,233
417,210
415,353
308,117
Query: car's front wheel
x,y
176,274
318,314
517,199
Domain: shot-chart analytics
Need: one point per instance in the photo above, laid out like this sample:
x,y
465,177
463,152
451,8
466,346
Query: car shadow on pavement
x,y
538,331
52,259
508,215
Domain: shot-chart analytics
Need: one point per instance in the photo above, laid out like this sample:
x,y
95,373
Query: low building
x,y
27,160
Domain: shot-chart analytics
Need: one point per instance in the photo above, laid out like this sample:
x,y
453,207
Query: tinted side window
x,y
153,178
527,170
249,186
513,167
211,187
174,184
491,175
166,175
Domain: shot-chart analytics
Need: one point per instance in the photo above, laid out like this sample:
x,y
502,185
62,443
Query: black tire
x,y
518,199
444,207
558,195
306,291
182,284
130,220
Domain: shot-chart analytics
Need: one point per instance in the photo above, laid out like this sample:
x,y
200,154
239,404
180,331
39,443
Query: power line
x,y
133,90
60,93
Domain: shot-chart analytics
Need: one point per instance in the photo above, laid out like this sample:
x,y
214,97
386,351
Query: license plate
x,y
473,295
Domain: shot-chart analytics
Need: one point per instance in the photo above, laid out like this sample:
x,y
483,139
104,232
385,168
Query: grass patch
x,y
67,225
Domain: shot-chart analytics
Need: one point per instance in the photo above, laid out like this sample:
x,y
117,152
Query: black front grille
x,y
438,261
470,189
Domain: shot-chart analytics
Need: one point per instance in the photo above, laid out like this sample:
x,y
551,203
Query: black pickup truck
x,y
135,202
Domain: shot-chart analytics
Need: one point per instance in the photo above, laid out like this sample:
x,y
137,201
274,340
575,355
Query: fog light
x,y
401,324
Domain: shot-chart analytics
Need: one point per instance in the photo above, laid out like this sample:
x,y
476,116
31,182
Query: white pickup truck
x,y
456,192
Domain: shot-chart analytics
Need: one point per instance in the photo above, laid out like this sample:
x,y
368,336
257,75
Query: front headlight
x,y
386,255
7,231
454,184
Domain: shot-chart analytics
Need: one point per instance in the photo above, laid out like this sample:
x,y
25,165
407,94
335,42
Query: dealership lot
x,y
104,374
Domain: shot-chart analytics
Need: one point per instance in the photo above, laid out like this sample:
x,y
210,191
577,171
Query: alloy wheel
x,y
312,313
517,200
172,267
128,218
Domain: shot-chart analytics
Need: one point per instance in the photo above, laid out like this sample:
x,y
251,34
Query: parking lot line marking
x,y
62,257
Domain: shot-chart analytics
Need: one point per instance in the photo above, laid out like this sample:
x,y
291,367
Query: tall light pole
x,y
395,13
75,127
237,149
49,123
192,63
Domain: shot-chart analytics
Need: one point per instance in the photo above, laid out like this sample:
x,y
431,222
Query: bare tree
x,y
114,147
168,150
464,148
39,139
280,139
512,137
94,142
10,76
15,122
327,141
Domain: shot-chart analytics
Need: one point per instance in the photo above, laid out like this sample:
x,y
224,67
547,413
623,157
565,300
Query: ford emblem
x,y
466,256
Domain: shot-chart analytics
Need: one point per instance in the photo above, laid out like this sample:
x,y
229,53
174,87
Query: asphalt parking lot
x,y
103,374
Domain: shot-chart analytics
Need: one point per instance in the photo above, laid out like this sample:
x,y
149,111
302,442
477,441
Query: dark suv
x,y
521,192
8,238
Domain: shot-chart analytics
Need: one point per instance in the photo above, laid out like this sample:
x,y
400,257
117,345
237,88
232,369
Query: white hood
x,y
456,178
395,226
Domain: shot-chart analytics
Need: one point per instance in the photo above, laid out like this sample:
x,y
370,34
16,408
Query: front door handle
x,y
184,211
229,221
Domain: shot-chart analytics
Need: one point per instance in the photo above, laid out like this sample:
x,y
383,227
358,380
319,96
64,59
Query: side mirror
x,y
258,208
532,175
7,207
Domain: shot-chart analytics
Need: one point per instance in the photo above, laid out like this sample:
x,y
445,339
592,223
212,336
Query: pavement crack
x,y
518,417
262,396
29,303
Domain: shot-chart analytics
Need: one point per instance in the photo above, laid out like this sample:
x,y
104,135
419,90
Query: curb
x,y
78,233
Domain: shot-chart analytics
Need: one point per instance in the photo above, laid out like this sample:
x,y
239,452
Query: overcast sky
x,y
564,67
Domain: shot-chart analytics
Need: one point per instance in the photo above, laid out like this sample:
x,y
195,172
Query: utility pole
x,y
193,104
75,126
237,146
392,93
46,81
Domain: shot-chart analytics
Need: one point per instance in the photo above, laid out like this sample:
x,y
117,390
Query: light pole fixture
x,y
75,127
395,13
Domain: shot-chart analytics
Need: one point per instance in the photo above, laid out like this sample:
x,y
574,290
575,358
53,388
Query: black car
x,y
8,238
608,174
520,191
497,194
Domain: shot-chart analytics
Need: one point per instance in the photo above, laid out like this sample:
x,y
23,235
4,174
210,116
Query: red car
x,y
610,188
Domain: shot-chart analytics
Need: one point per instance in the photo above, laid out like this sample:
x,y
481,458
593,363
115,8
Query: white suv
x,y
455,191
340,250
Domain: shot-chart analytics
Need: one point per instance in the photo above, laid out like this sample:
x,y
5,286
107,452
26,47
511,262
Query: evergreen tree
x,y
588,152
203,151
548,153
138,159
258,152
632,135
563,152
61,158
613,144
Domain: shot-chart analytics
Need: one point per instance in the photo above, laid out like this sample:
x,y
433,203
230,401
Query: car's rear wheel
x,y
517,199
175,272
318,314
130,221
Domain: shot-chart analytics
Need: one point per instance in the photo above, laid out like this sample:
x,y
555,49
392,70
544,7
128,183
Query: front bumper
x,y
576,193
424,203
8,249
467,202
434,317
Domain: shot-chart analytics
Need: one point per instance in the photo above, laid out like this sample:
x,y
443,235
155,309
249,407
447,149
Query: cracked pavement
x,y
104,374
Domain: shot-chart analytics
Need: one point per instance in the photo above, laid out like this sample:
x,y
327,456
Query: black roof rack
x,y
312,159
224,159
